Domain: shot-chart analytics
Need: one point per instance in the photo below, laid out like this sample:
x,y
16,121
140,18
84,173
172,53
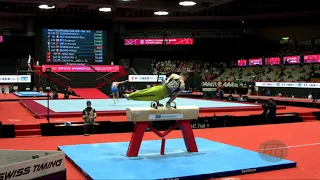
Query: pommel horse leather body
x,y
142,117
162,114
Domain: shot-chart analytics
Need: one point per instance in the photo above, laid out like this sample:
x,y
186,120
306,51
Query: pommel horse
x,y
141,117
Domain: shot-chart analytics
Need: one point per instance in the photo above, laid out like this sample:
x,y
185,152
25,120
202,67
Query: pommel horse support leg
x,y
141,117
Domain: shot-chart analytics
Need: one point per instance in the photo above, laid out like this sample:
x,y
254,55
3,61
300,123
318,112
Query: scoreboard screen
x,y
73,46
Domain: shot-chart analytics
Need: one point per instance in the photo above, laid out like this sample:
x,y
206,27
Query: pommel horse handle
x,y
142,117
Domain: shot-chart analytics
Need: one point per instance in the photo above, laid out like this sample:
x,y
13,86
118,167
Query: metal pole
x,y
48,97
164,37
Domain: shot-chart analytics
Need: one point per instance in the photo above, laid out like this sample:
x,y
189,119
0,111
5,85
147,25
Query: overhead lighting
x,y
161,13
45,6
105,9
187,3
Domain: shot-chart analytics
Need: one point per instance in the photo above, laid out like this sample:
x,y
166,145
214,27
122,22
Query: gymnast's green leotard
x,y
157,93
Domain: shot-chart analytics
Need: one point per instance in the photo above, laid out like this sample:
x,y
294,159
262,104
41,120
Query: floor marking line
x,y
295,146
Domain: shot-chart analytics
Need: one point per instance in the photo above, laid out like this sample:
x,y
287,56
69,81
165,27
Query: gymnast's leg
x,y
114,97
139,93
155,93
114,91
118,96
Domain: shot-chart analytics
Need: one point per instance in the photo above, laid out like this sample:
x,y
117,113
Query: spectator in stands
x,y
269,69
310,96
35,89
307,78
89,115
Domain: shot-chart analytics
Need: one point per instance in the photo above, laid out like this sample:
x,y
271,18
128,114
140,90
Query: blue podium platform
x,y
108,160
29,94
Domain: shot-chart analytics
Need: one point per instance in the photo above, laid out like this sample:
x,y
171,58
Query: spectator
x,y
10,89
240,98
269,112
221,94
230,97
122,90
132,88
310,96
268,93
315,99
249,91
71,91
54,92
66,94
89,115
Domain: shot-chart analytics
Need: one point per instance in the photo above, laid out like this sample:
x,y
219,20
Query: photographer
x,y
269,111
89,115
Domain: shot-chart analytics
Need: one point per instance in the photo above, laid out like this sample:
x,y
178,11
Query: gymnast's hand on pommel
x,y
174,96
168,105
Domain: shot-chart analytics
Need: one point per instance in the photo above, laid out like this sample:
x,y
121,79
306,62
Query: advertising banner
x,y
146,78
15,79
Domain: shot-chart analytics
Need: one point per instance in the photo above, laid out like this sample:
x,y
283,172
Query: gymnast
x,y
172,87
115,90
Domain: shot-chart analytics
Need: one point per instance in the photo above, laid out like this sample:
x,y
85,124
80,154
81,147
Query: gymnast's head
x,y
184,75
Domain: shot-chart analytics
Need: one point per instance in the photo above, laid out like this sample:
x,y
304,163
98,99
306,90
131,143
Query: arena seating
x,y
287,73
220,72
206,70
268,73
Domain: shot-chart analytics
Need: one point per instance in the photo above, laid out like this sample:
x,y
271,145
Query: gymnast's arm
x,y
172,76
122,82
175,95
84,114
94,113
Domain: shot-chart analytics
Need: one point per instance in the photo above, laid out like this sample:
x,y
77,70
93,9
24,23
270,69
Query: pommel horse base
x,y
141,117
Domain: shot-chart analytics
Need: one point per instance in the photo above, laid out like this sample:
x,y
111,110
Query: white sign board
x,y
15,78
165,116
288,84
146,78
22,165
